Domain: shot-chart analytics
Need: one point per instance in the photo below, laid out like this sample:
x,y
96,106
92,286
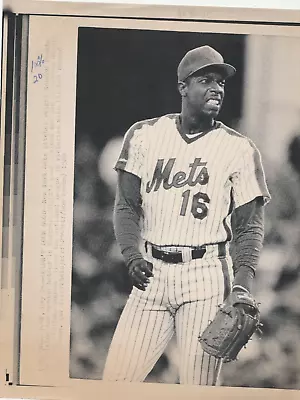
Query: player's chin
x,y
211,113
211,110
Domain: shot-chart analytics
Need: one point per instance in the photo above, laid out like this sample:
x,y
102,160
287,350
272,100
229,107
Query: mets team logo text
x,y
163,175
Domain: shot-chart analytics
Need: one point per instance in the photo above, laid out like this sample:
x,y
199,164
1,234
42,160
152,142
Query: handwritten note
x,y
37,68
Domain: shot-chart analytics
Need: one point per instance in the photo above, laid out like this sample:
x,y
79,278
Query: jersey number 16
x,y
199,207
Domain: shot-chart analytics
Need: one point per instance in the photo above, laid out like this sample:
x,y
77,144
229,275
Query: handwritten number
x,y
37,77
199,207
37,64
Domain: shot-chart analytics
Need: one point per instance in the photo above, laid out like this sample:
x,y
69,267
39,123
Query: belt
x,y
181,256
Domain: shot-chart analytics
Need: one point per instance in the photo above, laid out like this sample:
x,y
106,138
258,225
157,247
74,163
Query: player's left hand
x,y
232,326
140,271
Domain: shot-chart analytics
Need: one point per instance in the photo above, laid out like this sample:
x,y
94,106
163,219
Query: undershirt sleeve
x,y
127,213
248,236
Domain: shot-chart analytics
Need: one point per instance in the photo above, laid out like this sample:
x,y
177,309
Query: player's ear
x,y
182,88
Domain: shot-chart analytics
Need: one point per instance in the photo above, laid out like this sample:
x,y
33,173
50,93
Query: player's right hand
x,y
140,271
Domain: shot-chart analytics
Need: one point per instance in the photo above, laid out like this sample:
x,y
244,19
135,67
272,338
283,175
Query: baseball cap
x,y
202,57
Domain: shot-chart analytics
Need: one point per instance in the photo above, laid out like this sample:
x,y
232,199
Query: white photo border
x,y
61,47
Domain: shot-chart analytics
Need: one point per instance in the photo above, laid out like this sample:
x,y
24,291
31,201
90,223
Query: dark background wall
x,y
127,75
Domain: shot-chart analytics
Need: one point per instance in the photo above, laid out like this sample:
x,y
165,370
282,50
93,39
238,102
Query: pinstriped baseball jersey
x,y
189,187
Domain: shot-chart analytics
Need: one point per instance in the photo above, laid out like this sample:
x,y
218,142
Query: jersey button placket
x,y
171,284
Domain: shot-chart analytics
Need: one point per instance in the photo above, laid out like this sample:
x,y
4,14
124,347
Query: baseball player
x,y
187,186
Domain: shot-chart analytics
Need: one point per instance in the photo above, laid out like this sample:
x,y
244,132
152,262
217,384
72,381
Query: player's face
x,y
204,93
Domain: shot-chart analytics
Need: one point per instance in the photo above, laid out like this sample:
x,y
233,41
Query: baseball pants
x,y
180,299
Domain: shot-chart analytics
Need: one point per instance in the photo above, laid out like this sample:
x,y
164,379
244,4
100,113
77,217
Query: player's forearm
x,y
127,232
248,242
127,215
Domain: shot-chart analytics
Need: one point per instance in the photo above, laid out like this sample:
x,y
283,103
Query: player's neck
x,y
194,124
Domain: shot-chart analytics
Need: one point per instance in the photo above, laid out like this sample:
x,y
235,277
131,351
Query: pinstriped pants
x,y
181,299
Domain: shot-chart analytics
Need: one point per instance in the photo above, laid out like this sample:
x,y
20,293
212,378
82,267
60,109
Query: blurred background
x,y
124,76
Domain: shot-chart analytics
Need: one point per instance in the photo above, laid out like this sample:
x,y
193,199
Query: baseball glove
x,y
235,322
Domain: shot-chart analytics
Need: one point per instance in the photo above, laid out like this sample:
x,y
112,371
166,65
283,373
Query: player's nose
x,y
216,87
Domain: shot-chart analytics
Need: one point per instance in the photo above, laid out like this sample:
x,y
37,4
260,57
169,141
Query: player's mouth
x,y
214,103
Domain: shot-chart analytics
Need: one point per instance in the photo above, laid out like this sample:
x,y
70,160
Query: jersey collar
x,y
188,140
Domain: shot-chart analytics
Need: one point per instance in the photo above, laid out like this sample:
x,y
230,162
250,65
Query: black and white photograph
x,y
152,244
185,257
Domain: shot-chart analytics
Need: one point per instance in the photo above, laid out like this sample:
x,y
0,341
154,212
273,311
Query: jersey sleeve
x,y
248,179
132,153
